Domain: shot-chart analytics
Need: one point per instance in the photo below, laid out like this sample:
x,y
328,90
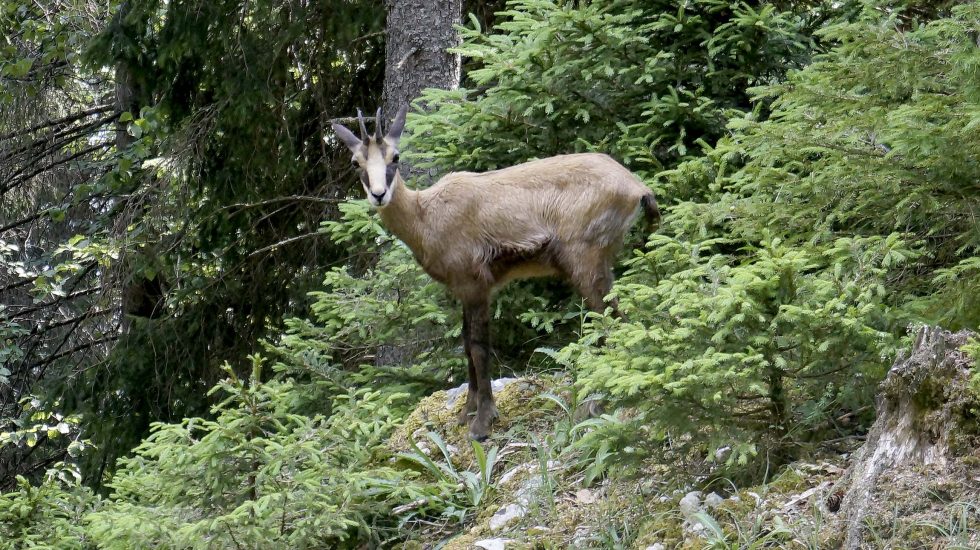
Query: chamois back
x,y
575,204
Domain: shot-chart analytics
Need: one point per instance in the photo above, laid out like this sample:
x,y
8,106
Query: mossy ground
x,y
934,506
784,512
629,512
917,509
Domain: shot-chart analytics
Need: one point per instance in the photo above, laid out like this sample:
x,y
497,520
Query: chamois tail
x,y
651,211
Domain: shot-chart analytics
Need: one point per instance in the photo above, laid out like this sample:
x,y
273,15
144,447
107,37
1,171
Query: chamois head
x,y
375,157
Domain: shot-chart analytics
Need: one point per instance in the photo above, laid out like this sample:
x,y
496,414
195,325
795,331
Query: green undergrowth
x,y
815,205
413,480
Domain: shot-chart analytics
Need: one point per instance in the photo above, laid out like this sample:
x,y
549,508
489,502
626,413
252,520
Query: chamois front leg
x,y
477,313
469,408
596,292
591,274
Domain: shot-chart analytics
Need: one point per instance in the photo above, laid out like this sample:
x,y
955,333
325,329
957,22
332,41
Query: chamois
x,y
474,232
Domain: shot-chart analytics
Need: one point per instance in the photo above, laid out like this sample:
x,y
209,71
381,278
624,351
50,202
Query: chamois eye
x,y
394,159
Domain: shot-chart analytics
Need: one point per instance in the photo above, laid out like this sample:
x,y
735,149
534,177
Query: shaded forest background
x,y
204,331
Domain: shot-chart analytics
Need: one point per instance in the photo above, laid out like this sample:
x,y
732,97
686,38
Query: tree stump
x,y
925,422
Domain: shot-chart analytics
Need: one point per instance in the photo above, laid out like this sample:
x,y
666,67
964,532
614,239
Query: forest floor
x,y
541,492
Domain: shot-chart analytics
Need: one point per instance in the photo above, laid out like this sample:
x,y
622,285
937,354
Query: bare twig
x,y
64,120
76,349
415,504
73,295
290,240
51,165
289,198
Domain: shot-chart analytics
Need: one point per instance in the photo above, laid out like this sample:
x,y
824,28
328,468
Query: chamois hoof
x,y
479,431
465,417
469,411
480,427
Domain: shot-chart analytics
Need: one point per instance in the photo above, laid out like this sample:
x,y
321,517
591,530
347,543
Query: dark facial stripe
x,y
390,172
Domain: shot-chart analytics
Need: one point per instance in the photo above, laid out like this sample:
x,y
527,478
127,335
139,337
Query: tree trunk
x,y
925,424
133,294
139,296
418,33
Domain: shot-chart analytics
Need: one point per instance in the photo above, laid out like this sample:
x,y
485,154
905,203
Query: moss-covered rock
x,y
518,405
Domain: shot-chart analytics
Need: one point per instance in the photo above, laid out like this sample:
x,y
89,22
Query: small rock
x,y
722,454
505,515
691,503
501,383
492,544
455,393
525,493
513,472
539,530
585,496
657,546
713,500
421,441
583,534
694,527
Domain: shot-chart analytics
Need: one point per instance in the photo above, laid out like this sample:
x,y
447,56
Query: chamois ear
x,y
377,125
395,132
345,135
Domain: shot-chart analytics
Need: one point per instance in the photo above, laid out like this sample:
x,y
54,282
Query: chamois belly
x,y
522,270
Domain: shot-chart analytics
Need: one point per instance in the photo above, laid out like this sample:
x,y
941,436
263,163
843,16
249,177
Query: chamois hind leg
x,y
478,316
469,408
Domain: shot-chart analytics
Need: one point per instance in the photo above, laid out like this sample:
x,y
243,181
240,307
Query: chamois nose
x,y
378,197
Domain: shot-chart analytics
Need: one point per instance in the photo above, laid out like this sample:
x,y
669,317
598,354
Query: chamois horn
x,y
397,125
360,121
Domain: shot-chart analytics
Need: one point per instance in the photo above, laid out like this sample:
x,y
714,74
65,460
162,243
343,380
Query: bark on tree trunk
x,y
418,35
139,296
125,102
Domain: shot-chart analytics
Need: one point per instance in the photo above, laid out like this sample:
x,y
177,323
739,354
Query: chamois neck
x,y
403,214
